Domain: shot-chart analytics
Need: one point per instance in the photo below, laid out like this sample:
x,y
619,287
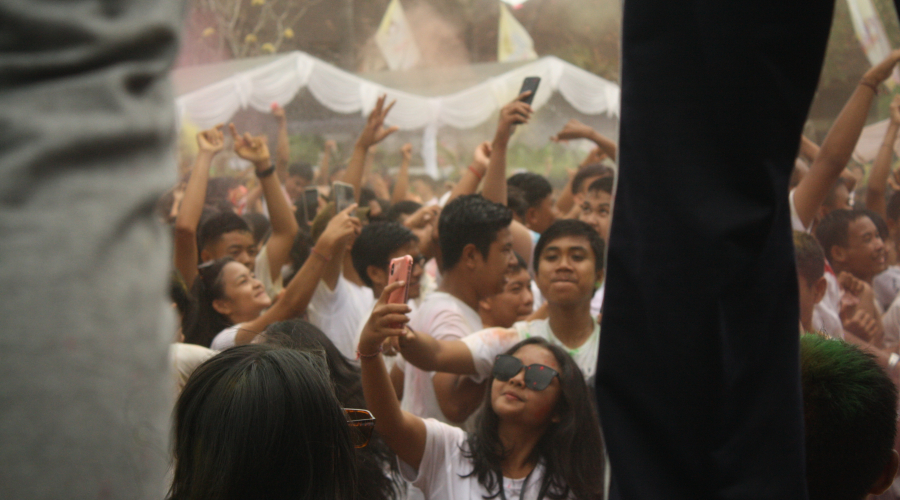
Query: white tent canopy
x,y
280,80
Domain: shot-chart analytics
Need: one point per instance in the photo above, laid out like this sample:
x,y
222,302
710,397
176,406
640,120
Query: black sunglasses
x,y
537,377
361,423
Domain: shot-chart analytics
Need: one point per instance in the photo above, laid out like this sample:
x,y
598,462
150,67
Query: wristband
x,y
866,83
892,361
376,353
479,176
265,173
319,254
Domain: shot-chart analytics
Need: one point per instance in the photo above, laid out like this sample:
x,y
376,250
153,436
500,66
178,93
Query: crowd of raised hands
x,y
480,382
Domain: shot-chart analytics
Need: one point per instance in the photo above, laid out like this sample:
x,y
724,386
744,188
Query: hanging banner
x,y
871,35
395,39
513,43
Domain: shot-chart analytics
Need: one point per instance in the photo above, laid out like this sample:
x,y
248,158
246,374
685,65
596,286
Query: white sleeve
x,y
442,441
796,223
263,272
225,339
487,345
891,323
449,324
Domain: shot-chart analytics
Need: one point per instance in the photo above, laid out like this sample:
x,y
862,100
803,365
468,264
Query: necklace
x,y
522,491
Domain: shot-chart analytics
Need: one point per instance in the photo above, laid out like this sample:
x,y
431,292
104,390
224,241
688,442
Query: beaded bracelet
x,y
376,353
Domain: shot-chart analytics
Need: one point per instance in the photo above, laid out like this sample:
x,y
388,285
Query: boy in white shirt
x,y
569,263
476,246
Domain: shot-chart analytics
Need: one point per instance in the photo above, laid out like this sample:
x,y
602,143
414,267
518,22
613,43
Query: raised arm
x,y
574,129
404,432
516,112
839,143
284,225
432,355
209,142
472,175
341,229
401,184
283,146
373,133
881,169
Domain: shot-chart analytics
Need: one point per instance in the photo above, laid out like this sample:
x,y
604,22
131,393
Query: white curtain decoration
x,y
343,92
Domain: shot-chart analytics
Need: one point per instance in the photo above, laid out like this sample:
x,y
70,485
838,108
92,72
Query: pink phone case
x,y
401,270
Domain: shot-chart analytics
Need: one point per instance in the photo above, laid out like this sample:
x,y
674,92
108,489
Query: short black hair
x,y
592,170
404,207
536,187
604,184
470,219
375,244
833,229
879,222
259,226
215,226
366,194
893,206
515,200
831,197
810,257
301,169
571,227
850,417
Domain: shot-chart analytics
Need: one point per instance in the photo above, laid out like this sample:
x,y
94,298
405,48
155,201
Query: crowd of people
x,y
481,384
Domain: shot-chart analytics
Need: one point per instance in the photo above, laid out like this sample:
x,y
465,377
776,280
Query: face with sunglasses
x,y
526,386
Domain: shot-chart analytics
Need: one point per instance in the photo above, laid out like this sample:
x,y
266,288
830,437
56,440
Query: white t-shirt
x,y
225,339
891,323
263,271
443,464
597,301
886,286
444,317
339,313
185,358
487,344
796,223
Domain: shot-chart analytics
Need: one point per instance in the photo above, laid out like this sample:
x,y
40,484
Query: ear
x,y
222,306
819,289
837,254
530,216
205,256
555,418
887,475
377,275
600,276
484,305
471,256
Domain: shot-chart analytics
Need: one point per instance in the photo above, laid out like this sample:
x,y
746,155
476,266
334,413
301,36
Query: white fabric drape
x,y
343,92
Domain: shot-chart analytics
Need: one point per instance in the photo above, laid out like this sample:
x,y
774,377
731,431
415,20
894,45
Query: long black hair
x,y
570,450
202,322
376,457
260,422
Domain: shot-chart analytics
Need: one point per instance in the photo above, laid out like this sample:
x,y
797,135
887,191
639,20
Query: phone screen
x,y
343,195
530,83
311,199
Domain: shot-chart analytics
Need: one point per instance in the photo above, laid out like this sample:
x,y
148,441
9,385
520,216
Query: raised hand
x,y
341,229
330,146
895,109
375,131
278,111
253,149
211,141
881,71
422,217
386,321
482,155
514,113
573,129
406,151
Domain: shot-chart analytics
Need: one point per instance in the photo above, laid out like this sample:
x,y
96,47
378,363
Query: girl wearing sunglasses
x,y
537,436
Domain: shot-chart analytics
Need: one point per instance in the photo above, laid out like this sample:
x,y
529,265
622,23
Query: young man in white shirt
x,y
569,263
476,246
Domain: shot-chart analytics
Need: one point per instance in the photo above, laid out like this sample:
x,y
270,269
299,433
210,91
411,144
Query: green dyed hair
x,y
850,411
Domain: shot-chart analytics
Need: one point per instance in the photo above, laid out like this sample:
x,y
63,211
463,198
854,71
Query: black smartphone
x,y
343,195
311,202
530,83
